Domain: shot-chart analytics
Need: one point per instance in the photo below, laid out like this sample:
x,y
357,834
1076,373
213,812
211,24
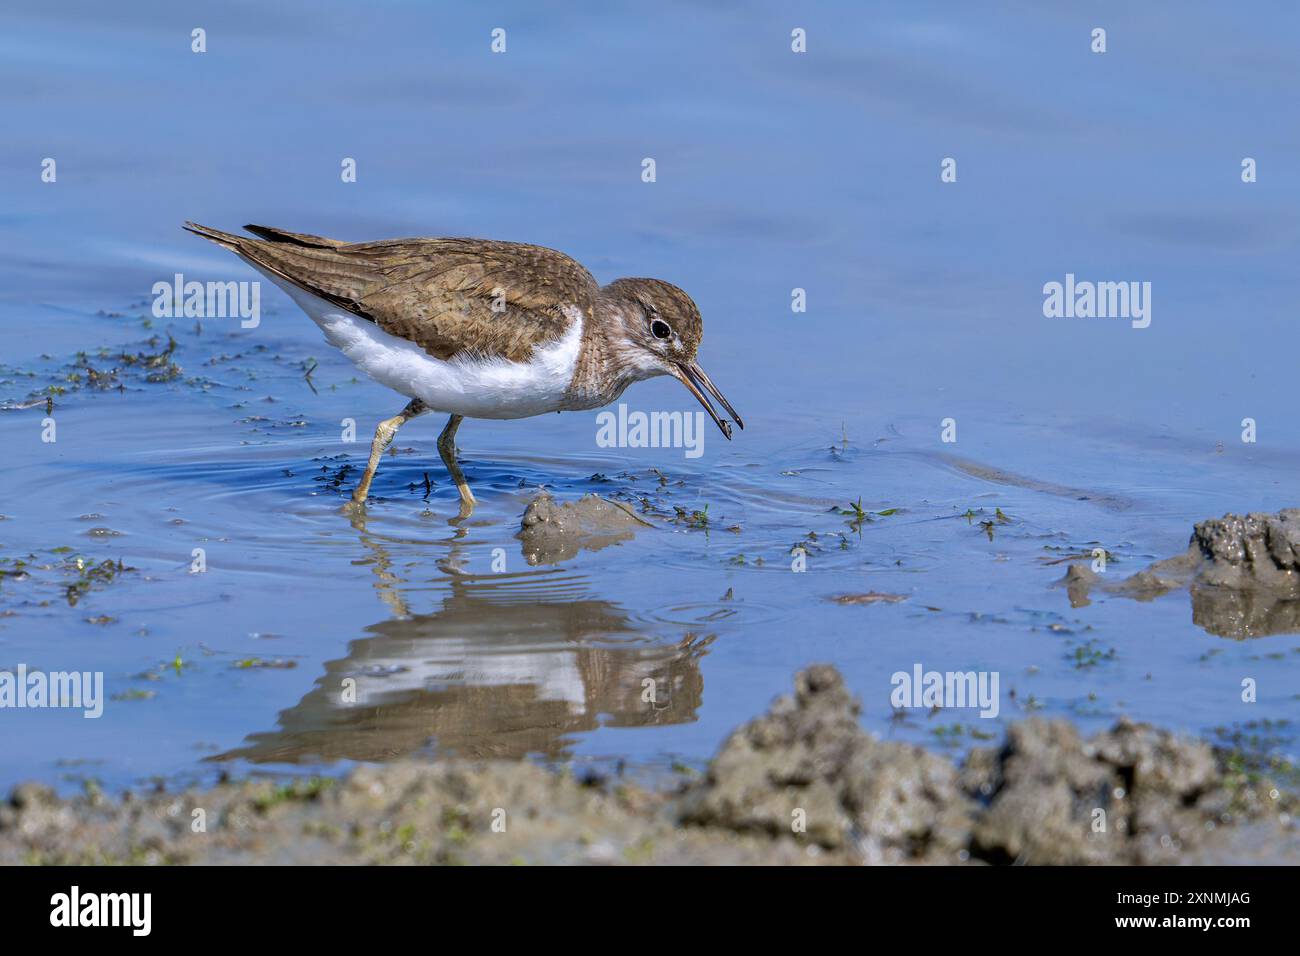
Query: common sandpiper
x,y
477,328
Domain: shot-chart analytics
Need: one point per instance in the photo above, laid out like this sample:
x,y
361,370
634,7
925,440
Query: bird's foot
x,y
467,501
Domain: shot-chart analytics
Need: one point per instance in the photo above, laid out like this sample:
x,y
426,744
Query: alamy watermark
x,y
1100,300
75,908
74,690
208,300
951,689
626,429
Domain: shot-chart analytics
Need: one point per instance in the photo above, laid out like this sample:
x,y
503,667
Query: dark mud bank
x,y
801,784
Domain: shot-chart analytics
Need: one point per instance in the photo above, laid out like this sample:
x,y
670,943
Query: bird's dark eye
x,y
660,329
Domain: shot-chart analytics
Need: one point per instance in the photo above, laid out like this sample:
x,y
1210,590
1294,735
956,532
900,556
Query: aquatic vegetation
x,y
952,735
693,519
869,597
73,575
1090,654
135,693
1251,753
808,544
335,479
151,362
256,663
272,795
855,511
858,516
157,364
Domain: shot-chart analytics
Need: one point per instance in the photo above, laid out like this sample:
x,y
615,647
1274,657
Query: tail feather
x,y
317,265
227,239
296,238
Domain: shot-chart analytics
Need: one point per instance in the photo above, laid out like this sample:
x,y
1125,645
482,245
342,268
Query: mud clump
x,y
807,766
1132,795
1243,574
800,784
553,532
1259,550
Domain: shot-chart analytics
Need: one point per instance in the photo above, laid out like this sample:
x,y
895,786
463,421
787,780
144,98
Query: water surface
x,y
775,171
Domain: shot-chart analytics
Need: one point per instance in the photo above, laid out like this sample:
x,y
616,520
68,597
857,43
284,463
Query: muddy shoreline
x,y
802,784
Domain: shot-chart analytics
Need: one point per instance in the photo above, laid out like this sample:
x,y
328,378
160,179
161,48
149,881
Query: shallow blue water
x,y
775,171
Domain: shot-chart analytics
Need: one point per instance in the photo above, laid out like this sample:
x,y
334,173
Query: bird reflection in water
x,y
510,665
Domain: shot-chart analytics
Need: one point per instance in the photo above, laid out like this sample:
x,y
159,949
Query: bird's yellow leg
x,y
447,449
384,433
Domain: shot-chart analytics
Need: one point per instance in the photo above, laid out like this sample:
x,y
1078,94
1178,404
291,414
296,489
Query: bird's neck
x,y
607,362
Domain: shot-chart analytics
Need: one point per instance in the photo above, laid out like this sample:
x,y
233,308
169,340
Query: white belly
x,y
475,388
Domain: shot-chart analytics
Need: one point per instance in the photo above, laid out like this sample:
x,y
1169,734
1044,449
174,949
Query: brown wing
x,y
449,296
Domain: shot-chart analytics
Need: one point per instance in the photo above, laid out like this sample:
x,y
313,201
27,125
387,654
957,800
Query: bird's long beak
x,y
692,376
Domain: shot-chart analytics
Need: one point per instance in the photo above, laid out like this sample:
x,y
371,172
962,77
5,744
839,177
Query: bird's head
x,y
662,331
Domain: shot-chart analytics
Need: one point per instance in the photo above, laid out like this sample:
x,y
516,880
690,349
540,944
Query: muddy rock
x,y
1258,550
1243,574
1131,795
553,532
1040,788
808,762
